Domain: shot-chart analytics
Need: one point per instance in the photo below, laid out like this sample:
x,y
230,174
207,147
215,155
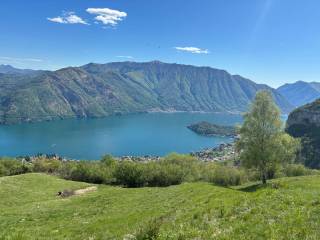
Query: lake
x,y
154,134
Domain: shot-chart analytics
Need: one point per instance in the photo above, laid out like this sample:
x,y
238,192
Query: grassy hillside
x,y
287,209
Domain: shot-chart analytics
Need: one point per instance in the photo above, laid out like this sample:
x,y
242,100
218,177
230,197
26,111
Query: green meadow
x,y
286,208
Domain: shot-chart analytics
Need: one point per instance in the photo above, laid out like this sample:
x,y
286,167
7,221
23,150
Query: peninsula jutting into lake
x,y
211,129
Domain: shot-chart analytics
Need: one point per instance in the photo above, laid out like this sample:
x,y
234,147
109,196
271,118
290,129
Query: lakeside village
x,y
223,152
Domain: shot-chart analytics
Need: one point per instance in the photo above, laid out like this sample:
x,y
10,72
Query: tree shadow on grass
x,y
253,187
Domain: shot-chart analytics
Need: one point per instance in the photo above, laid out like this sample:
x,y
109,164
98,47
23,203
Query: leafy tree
x,y
263,144
108,160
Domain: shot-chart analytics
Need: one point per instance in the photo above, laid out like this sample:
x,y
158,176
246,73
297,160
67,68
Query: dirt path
x,y
85,190
69,193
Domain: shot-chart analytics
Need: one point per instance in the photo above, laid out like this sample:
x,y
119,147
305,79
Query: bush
x,y
85,171
293,170
189,166
46,165
10,167
163,174
171,170
108,160
224,175
130,174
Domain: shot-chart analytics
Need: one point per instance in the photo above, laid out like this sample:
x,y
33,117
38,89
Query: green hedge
x,y
10,167
171,170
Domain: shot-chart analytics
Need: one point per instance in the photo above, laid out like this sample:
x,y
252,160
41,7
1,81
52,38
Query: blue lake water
x,y
139,134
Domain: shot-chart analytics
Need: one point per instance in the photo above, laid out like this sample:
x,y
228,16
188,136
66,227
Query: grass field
x,y
287,208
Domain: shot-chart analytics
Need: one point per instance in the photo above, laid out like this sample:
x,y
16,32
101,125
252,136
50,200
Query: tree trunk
x,y
264,177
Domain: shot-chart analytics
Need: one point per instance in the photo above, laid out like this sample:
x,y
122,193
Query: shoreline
x,y
216,153
203,112
151,111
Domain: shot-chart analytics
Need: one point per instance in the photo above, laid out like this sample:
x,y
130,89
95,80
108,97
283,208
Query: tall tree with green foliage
x,y
263,144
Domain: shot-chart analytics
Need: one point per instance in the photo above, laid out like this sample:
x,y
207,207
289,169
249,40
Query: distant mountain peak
x,y
300,92
8,69
156,62
6,66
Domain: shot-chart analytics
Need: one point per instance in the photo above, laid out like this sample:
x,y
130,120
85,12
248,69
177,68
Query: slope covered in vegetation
x,y
97,90
304,123
287,208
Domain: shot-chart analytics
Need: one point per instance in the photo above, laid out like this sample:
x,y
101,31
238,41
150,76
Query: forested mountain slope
x,y
304,122
97,90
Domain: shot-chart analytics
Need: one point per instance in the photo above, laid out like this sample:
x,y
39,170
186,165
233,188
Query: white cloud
x,y
193,50
74,19
128,57
56,19
107,16
68,18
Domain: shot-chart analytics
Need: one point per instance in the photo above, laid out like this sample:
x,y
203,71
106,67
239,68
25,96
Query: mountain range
x,y
97,90
300,93
8,69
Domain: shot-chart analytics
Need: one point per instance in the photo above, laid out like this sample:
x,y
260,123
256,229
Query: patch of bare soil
x,y
69,193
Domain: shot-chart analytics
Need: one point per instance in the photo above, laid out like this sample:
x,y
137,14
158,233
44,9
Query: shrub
x,y
86,172
46,165
2,170
293,170
163,174
92,172
189,166
225,176
108,160
253,175
10,167
130,174
171,170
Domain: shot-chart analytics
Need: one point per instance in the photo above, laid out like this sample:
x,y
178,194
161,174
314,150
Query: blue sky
x,y
268,41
